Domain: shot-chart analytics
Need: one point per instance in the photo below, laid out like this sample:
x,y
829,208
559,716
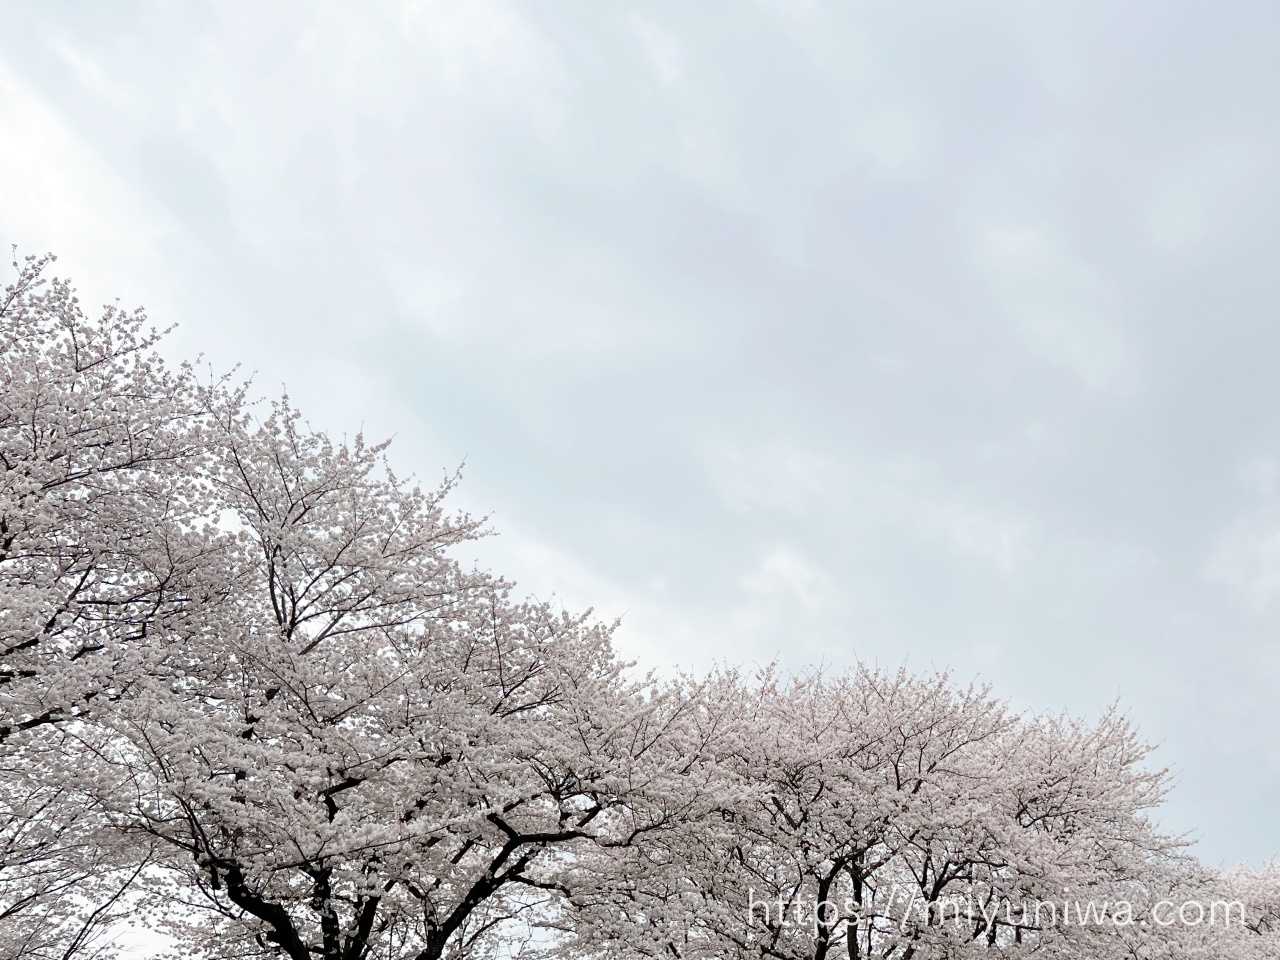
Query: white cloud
x,y
905,494
60,194
1261,474
429,295
1064,309
1194,195
775,476
664,51
787,595
895,138
999,540
1245,558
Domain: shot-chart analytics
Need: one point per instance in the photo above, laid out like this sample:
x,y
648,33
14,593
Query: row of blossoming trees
x,y
248,698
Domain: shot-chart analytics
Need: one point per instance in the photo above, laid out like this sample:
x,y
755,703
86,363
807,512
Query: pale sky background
x,y
937,332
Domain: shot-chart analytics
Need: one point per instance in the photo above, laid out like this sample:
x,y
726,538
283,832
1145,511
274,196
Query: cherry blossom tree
x,y
239,659
1254,897
359,748
95,445
898,816
97,451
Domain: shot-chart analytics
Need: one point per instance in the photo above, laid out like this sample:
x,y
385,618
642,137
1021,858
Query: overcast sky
x,y
936,332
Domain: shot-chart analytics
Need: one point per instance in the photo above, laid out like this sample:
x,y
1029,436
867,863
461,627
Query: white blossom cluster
x,y
249,699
